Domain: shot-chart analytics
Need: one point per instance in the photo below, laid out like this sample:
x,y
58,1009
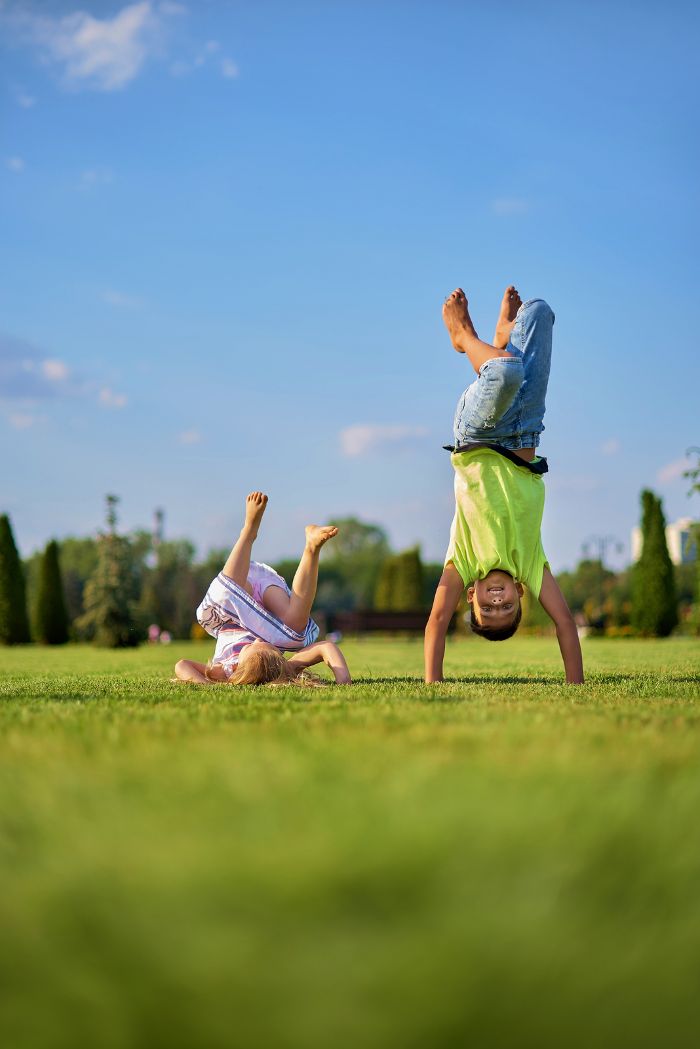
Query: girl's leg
x,y
238,562
294,609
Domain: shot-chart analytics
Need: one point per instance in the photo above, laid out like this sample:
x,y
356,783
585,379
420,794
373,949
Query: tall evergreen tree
x,y
408,584
384,590
400,583
51,618
654,609
112,589
14,622
693,475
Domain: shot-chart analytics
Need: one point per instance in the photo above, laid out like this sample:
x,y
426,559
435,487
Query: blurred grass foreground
x,y
498,860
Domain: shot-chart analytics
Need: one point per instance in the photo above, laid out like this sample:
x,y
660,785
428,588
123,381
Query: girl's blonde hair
x,y
266,666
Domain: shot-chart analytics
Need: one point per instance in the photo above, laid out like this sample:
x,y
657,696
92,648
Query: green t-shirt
x,y
498,516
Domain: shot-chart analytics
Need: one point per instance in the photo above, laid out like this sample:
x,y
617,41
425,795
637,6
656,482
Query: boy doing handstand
x,y
495,546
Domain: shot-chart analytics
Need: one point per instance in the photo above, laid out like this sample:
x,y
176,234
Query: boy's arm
x,y
324,652
447,597
554,604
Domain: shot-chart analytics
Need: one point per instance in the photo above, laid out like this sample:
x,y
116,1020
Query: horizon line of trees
x,y
111,588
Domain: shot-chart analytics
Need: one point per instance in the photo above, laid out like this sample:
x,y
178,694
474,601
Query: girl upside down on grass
x,y
255,617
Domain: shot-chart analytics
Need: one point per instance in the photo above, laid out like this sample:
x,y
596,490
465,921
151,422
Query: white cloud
x,y
182,67
672,471
21,420
54,371
118,298
110,399
610,447
505,206
363,437
28,374
190,437
105,54
24,100
15,164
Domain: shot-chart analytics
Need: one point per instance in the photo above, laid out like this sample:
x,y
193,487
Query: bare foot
x,y
510,305
254,509
317,535
455,313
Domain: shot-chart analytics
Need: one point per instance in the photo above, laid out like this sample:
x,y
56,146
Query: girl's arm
x,y
554,604
324,652
188,670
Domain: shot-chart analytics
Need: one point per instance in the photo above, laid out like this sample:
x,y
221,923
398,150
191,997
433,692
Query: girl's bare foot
x,y
510,305
317,535
455,313
254,509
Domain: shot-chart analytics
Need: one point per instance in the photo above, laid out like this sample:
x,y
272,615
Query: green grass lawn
x,y
496,861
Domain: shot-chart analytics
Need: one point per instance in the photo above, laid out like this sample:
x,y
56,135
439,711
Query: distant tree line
x,y
111,588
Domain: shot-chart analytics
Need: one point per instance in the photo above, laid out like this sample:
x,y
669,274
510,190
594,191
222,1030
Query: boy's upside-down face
x,y
495,601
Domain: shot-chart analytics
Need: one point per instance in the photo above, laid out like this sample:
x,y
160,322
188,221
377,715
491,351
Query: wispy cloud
x,y
15,164
29,376
22,420
672,471
27,373
190,437
110,399
24,100
104,54
119,299
203,56
55,371
506,206
610,447
363,437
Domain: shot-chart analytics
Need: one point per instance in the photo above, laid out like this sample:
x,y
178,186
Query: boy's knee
x,y
504,381
510,377
537,310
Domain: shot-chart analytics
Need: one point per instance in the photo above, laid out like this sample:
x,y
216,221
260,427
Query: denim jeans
x,y
506,402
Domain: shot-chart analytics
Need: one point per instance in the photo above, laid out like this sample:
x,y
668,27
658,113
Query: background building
x,y
679,537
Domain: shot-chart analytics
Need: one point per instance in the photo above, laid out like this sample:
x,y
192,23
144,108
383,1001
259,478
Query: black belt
x,y
538,467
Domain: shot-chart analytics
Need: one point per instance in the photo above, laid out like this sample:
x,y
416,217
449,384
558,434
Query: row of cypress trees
x,y
400,583
654,602
109,597
51,625
111,592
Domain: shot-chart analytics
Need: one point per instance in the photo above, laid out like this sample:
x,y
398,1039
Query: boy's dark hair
x,y
499,633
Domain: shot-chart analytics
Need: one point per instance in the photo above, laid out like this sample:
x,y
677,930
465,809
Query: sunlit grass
x,y
497,860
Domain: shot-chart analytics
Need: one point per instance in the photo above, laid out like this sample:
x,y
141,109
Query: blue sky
x,y
229,227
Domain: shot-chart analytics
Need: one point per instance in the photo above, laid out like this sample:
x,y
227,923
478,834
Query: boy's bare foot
x,y
455,313
317,535
510,305
254,509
